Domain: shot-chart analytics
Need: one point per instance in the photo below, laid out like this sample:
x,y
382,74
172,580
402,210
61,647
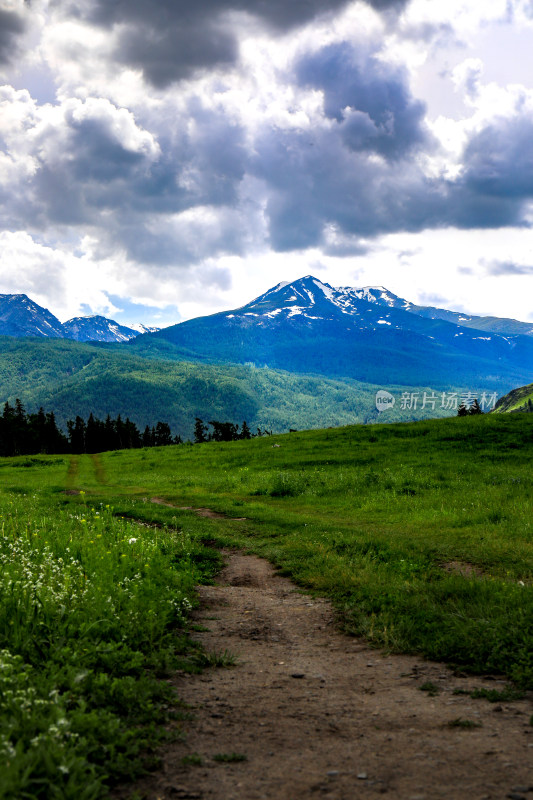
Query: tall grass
x,y
92,614
422,534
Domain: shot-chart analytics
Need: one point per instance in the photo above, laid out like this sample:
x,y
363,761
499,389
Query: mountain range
x,y
20,316
303,354
501,325
369,334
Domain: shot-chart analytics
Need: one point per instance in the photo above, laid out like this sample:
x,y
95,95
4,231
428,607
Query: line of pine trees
x,y
469,411
29,434
222,431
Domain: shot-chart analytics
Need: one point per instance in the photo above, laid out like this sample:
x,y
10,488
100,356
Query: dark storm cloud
x,y
99,170
11,26
329,177
351,176
347,246
496,185
325,178
317,190
368,98
187,241
318,183
171,54
85,167
171,39
313,190
91,159
499,159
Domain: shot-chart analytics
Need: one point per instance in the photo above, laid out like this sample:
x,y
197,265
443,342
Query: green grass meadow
x,y
420,533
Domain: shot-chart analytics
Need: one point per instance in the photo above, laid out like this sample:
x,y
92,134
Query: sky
x,y
162,159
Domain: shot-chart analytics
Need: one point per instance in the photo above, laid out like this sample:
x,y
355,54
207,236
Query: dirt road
x,y
319,715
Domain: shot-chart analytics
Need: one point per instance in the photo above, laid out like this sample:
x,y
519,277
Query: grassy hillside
x,y
420,533
72,378
516,400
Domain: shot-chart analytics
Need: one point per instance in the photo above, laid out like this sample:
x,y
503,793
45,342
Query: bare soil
x,y
318,714
201,512
463,568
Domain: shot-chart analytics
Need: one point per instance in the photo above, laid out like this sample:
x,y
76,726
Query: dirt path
x,y
201,512
72,472
321,715
98,467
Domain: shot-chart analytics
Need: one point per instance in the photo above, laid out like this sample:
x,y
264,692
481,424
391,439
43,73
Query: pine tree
x,y
92,443
224,431
76,435
200,431
120,434
462,411
245,431
7,441
56,441
147,439
20,413
110,434
134,436
37,432
20,427
163,436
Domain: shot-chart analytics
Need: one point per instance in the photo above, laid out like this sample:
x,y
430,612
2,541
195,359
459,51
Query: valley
x,y
74,378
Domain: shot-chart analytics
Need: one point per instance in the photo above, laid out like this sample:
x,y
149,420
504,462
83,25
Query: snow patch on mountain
x,y
140,328
327,290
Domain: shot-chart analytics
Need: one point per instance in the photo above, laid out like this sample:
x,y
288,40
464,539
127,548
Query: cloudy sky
x,y
162,159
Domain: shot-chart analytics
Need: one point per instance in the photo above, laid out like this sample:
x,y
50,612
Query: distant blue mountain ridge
x,y
20,316
307,326
367,334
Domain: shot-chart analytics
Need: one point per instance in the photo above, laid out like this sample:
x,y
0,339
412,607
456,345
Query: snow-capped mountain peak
x,y
367,333
21,316
97,328
379,295
314,299
303,293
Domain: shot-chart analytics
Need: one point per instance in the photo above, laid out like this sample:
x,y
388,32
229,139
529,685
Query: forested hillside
x,y
71,378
